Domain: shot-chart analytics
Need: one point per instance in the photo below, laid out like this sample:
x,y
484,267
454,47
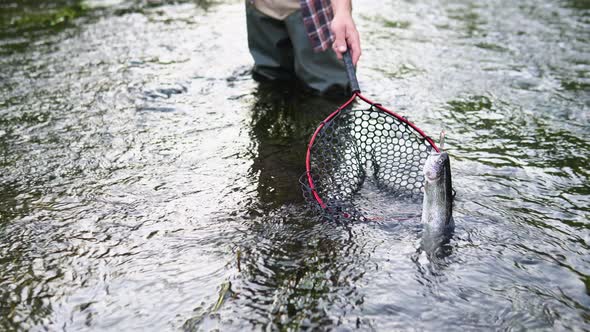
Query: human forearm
x,y
342,7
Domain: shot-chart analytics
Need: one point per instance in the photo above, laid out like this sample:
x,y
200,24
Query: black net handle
x,y
351,72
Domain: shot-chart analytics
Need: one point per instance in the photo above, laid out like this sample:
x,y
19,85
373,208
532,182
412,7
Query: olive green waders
x,y
282,51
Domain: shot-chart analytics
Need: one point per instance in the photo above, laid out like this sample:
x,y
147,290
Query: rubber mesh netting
x,y
357,146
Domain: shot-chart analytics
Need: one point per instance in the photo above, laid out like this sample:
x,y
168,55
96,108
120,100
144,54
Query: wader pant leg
x,y
282,50
322,71
269,45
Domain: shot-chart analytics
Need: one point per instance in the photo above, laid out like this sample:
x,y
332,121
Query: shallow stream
x,y
148,183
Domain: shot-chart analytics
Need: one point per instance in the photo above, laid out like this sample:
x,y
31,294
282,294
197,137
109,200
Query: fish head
x,y
436,166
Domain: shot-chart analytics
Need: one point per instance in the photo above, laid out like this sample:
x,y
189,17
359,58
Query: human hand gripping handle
x,y
346,36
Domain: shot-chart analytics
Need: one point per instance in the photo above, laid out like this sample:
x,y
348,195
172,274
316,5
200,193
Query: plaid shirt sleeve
x,y
317,15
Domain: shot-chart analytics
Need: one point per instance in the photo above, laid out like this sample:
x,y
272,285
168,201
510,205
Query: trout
x,y
437,206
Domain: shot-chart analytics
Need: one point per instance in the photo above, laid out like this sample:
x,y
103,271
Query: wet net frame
x,y
351,146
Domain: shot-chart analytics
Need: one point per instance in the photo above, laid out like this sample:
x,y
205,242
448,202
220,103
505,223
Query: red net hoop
x,y
354,146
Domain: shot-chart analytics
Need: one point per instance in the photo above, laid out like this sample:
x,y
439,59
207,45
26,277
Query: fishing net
x,y
356,148
352,149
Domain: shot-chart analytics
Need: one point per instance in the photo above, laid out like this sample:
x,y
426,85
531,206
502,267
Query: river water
x,y
148,183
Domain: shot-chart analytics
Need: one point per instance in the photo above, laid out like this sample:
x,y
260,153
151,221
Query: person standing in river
x,y
302,39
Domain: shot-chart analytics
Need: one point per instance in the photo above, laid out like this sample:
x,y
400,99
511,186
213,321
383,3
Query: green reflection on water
x,y
34,15
471,104
22,22
49,19
578,4
386,22
575,85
